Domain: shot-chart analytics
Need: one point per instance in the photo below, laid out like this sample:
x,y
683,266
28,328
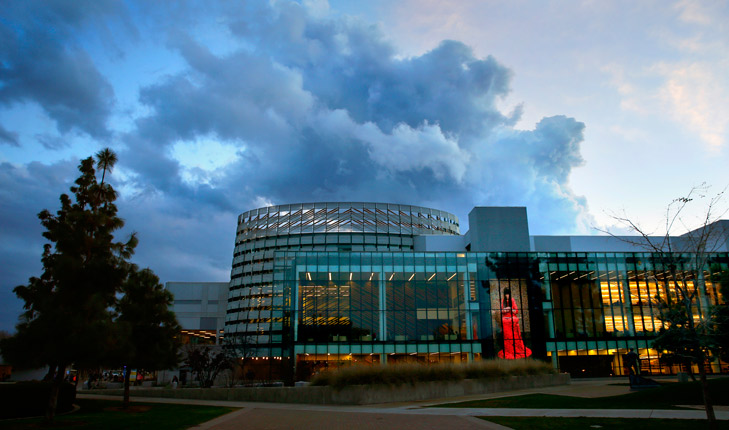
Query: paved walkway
x,y
415,415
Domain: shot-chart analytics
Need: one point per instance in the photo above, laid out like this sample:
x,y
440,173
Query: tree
x,y
682,269
28,348
69,311
206,363
240,350
147,325
106,159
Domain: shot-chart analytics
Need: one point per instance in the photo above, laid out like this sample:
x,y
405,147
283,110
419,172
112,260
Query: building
x,y
328,284
200,309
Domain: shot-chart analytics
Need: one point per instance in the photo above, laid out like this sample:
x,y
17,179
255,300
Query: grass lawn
x,y
107,414
664,397
549,423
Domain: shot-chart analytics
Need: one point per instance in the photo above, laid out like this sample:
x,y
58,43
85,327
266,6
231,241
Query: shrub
x,y
29,399
410,373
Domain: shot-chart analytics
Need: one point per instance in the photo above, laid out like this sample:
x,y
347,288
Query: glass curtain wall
x,y
581,311
319,226
377,307
599,305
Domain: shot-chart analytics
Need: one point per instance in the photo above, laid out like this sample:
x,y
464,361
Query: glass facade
x,y
254,305
581,311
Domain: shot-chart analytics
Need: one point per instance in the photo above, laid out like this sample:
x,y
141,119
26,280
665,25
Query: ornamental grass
x,y
410,373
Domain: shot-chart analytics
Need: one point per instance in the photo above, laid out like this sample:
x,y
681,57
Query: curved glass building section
x,y
256,310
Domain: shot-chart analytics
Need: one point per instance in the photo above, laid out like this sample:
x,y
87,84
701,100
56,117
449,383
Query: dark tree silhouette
x,y
207,363
73,314
147,326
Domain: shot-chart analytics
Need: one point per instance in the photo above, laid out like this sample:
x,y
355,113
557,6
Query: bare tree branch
x,y
683,261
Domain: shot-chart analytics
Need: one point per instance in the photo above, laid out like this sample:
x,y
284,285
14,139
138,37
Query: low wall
x,y
353,395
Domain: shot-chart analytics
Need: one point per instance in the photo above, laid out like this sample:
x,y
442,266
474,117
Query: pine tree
x,y
68,317
147,325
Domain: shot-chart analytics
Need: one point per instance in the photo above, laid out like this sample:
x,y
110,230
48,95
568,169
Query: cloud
x,y
414,149
8,137
531,168
44,64
157,219
323,108
690,93
692,12
405,149
26,190
697,99
305,106
52,142
687,84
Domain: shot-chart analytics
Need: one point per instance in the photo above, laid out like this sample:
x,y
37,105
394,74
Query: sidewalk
x,y
421,409
415,415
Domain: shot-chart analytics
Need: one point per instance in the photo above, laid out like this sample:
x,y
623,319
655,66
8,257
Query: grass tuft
x,y
410,373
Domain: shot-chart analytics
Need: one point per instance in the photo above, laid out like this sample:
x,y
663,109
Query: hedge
x,y
29,399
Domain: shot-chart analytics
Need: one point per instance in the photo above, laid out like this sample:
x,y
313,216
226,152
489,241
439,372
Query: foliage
x,y
68,306
206,363
398,374
67,318
70,313
27,399
147,326
144,311
106,414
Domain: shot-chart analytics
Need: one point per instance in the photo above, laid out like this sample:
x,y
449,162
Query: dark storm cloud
x,y
530,168
8,137
180,242
324,109
349,65
43,62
